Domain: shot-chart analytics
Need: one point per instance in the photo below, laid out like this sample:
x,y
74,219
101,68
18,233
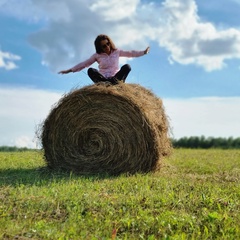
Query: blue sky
x,y
193,64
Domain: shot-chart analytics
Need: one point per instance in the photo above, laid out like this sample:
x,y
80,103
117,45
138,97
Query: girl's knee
x,y
127,67
90,70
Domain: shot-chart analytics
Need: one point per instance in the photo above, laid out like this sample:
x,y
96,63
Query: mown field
x,y
196,195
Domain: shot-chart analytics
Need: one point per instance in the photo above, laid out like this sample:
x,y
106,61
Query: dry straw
x,y
107,129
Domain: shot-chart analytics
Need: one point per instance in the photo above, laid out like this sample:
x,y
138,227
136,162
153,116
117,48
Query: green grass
x,y
196,195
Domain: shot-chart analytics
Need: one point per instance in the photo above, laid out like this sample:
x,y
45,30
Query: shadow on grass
x,y
42,176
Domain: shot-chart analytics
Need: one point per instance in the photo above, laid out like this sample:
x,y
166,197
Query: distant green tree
x,y
205,143
14,149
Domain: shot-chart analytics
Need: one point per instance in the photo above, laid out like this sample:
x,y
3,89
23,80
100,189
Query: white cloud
x,y
210,117
192,41
115,10
174,24
22,110
25,141
7,60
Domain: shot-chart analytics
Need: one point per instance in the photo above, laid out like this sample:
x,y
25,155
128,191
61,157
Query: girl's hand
x,y
147,50
65,71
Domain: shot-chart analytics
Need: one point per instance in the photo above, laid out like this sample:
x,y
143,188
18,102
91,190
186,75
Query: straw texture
x,y
110,129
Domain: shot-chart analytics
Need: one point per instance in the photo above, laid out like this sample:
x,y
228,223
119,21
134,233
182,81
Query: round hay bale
x,y
107,129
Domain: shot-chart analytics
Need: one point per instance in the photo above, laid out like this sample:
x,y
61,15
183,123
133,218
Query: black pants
x,y
121,75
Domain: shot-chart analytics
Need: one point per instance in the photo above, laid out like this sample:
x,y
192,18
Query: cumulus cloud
x,y
7,60
72,25
210,117
22,110
192,41
108,10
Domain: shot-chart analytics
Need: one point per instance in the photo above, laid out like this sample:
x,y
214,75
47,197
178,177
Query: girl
x,y
107,56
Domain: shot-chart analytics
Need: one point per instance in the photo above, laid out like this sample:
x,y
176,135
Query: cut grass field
x,y
196,195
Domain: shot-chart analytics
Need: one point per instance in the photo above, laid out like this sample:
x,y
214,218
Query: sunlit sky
x,y
193,64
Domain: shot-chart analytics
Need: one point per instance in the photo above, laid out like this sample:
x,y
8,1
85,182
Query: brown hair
x,y
98,40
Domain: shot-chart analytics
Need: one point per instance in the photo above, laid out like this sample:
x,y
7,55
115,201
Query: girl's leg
x,y
95,75
123,72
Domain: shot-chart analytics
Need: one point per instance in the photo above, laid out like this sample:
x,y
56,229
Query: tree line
x,y
14,149
206,143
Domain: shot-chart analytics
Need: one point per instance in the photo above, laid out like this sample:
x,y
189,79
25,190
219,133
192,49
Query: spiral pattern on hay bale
x,y
107,129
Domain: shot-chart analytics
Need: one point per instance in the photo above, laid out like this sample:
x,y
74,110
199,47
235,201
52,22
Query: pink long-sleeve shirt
x,y
108,64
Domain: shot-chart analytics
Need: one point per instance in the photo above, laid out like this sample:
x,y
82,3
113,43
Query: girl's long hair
x,y
98,40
